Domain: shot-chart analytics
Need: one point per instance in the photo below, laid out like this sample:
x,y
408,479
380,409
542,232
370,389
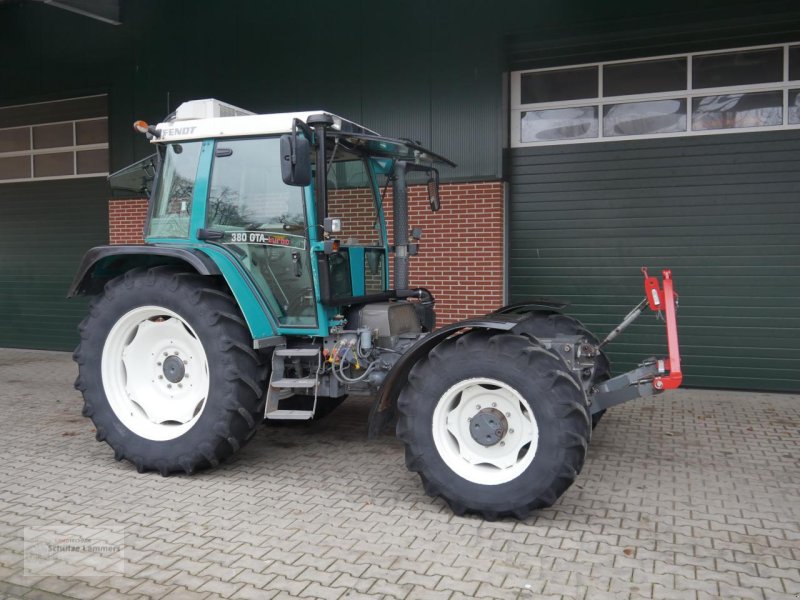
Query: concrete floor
x,y
691,495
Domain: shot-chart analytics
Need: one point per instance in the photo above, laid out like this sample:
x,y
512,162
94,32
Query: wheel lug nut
x,y
180,385
477,407
166,353
169,385
161,377
508,414
158,364
502,443
494,404
510,431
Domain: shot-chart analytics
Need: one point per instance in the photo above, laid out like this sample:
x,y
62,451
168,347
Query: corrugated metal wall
x,y
430,71
723,211
44,231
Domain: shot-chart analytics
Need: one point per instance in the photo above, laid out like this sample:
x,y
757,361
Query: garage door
x,y
53,198
44,231
723,212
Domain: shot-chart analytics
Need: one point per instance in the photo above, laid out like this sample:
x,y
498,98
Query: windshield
x,y
172,201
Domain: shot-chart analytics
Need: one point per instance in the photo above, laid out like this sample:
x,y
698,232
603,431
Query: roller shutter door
x,y
44,230
722,211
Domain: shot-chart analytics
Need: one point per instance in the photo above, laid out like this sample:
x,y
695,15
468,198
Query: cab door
x,y
352,197
263,223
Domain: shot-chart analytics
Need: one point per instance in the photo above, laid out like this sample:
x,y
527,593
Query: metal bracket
x,y
628,386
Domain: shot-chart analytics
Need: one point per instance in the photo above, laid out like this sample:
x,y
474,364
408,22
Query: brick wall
x,y
461,252
126,221
460,256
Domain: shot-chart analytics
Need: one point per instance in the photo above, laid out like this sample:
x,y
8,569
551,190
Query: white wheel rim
x,y
155,401
487,465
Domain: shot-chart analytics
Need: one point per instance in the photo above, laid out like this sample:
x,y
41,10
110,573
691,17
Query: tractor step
x,y
291,415
293,383
297,352
286,362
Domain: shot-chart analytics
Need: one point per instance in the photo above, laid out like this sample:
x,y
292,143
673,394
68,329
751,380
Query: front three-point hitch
x,y
654,375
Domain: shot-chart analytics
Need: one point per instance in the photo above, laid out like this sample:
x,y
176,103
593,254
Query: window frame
x,y
74,148
688,93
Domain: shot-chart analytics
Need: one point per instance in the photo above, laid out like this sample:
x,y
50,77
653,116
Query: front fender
x,y
103,263
382,413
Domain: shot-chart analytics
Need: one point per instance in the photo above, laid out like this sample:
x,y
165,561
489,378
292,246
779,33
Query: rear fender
x,y
532,304
383,413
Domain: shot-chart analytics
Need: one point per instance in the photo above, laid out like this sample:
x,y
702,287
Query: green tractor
x,y
263,292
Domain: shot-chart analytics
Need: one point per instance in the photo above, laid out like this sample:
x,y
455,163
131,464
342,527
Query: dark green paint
x,y
424,69
45,230
585,218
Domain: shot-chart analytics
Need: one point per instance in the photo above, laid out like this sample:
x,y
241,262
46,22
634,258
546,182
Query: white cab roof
x,y
246,125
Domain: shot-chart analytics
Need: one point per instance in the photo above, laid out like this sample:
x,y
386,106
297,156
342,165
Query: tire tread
x,y
245,371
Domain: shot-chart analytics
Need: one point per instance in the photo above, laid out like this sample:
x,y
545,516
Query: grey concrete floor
x,y
691,495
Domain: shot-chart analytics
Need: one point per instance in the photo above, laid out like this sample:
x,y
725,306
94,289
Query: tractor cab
x,y
309,241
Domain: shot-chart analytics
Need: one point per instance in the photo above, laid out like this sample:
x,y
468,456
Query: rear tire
x,y
549,324
468,380
167,371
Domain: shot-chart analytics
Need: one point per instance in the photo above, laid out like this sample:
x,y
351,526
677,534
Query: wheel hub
x,y
485,430
174,369
488,427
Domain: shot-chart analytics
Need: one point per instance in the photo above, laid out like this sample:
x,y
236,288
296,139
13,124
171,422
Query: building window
x,y
31,148
794,107
689,94
737,68
559,85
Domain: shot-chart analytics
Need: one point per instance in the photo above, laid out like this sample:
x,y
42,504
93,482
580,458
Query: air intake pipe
x,y
400,231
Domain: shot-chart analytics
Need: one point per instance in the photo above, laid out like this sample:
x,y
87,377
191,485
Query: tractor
x,y
263,292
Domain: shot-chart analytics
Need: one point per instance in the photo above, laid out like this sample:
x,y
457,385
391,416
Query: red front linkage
x,y
663,299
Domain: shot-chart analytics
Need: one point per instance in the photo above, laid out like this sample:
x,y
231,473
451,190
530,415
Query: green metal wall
x,y
412,69
44,231
722,211
431,70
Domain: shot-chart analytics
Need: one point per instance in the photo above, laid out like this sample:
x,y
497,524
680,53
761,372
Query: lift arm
x,y
653,375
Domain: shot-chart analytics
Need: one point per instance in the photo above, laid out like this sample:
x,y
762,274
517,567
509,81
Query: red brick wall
x,y
461,252
126,221
460,256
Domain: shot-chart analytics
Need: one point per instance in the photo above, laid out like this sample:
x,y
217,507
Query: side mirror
x,y
295,160
433,191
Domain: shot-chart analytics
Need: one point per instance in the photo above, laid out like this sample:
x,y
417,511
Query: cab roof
x,y
203,119
209,118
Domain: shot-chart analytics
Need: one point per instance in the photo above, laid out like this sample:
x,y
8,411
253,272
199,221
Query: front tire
x,y
550,324
494,424
167,371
